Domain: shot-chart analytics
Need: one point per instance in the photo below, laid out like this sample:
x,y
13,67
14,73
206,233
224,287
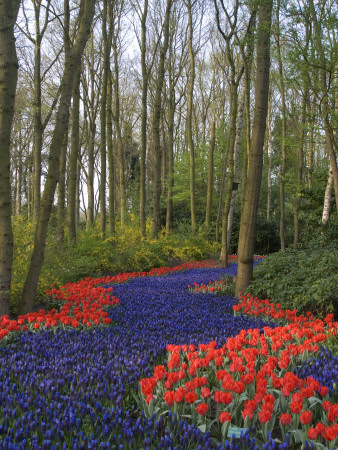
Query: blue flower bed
x,y
323,368
74,390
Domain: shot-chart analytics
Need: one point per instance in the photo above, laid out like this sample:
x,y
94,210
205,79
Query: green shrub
x,y
306,280
93,255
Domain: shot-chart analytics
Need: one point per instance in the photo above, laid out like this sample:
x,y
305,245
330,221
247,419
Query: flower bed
x,y
74,387
249,381
82,304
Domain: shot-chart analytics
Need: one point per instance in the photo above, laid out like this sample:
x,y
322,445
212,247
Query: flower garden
x,y
139,360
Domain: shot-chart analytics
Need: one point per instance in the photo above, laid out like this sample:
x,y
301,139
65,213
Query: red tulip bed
x,y
83,304
233,384
248,384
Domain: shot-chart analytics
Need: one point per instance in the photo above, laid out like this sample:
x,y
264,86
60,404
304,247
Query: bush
x,y
306,280
267,235
94,256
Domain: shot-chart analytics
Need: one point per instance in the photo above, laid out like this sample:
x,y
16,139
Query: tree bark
x,y
232,136
61,193
8,78
221,191
87,8
327,197
300,156
107,41
239,126
145,76
73,158
282,171
111,165
90,173
156,125
247,232
208,210
117,118
190,140
269,158
171,124
37,106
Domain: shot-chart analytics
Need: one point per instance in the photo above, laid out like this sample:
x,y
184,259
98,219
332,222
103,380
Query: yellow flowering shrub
x,y
94,255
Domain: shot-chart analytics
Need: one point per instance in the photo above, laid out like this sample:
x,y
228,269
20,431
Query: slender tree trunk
x,y
239,126
61,185
300,155
61,193
90,173
269,158
117,123
232,136
164,156
29,188
78,191
247,128
8,78
111,166
208,210
107,40
19,176
247,232
156,125
73,158
190,140
171,125
221,192
37,120
283,136
327,197
87,8
19,191
311,112
145,76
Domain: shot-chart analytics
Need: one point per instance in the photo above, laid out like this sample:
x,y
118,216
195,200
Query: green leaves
x,y
305,280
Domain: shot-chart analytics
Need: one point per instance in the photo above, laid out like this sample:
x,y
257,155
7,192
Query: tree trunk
x,y
87,8
190,140
327,198
61,193
8,78
208,210
90,173
37,120
145,76
156,125
19,191
300,154
221,191
239,126
247,232
107,40
269,161
111,166
117,123
283,136
73,158
311,113
232,136
171,125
